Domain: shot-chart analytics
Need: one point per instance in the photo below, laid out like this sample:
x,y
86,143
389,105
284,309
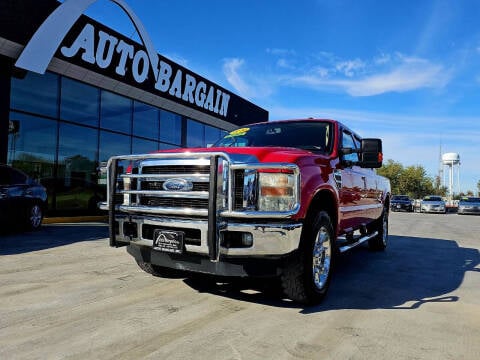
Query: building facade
x,y
96,94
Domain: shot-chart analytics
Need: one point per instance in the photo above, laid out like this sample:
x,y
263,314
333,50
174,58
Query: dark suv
x,y
23,201
401,202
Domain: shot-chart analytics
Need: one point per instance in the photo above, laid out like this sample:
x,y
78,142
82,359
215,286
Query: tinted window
x,y
36,94
164,146
116,112
212,135
170,128
113,144
141,146
34,143
77,151
311,136
79,102
145,121
348,142
195,134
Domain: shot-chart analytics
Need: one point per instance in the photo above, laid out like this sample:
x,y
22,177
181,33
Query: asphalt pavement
x,y
66,294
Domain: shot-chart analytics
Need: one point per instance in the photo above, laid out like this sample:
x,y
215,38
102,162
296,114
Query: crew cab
x,y
276,199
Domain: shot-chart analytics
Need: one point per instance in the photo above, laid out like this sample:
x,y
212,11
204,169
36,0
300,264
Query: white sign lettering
x,y
182,85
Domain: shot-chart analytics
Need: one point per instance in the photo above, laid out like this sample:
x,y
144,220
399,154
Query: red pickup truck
x,y
276,199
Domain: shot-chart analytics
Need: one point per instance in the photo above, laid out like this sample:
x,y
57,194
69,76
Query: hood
x,y
257,154
433,202
402,201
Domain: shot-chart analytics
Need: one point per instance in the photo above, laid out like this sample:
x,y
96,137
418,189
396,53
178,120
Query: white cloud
x,y
409,74
382,59
351,67
230,69
247,86
285,64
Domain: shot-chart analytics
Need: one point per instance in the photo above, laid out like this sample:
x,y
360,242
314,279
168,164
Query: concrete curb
x,y
75,219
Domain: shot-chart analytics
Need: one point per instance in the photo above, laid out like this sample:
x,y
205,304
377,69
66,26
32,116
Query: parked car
x,y
401,202
469,205
23,201
433,204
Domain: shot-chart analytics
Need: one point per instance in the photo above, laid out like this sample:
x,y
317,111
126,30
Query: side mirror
x,y
371,155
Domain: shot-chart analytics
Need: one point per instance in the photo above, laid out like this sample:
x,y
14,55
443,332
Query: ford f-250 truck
x,y
279,199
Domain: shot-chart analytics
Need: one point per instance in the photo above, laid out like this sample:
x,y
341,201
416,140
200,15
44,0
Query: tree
x,y
411,180
478,187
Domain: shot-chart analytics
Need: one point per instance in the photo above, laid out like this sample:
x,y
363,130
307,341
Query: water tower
x,y
452,162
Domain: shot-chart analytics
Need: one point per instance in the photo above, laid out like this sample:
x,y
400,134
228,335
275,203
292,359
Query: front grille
x,y
177,169
158,185
174,202
142,190
238,190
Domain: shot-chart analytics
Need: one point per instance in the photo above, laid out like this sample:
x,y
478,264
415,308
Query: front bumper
x,y
272,240
260,267
469,210
434,209
400,206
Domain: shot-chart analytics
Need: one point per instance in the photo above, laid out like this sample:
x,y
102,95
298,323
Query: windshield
x,y
400,197
471,199
314,136
432,198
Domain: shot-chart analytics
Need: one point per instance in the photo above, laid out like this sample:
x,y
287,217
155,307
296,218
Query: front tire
x,y
306,276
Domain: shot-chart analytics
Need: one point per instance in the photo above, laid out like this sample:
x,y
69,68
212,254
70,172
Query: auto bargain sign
x,y
68,35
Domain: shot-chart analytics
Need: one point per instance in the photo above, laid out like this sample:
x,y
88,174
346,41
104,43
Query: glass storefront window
x,y
170,128
195,134
116,112
212,134
76,186
164,146
36,94
79,102
113,144
141,146
32,148
62,129
145,120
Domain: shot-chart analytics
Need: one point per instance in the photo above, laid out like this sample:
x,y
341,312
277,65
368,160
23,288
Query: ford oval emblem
x,y
177,185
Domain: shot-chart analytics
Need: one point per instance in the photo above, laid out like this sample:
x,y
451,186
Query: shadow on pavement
x,y
412,272
49,236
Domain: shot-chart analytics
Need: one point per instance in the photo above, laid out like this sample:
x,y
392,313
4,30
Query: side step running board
x,y
361,240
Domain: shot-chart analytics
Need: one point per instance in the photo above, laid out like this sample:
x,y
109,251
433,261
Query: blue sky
x,y
407,72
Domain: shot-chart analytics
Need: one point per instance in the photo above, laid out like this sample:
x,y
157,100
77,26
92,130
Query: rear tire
x,y
379,242
34,217
306,275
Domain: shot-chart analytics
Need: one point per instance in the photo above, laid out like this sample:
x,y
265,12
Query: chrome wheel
x,y
36,216
322,254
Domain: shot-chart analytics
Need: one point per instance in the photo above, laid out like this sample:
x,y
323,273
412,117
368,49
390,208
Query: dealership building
x,y
75,92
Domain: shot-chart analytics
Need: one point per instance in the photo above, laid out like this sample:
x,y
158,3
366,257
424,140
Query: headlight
x,y
276,191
